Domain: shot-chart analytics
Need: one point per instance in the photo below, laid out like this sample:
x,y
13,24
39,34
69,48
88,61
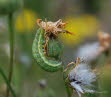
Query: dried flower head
x,y
81,78
53,27
104,40
91,51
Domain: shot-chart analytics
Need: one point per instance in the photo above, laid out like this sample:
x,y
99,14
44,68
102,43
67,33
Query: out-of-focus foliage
x,y
105,81
45,93
9,6
83,26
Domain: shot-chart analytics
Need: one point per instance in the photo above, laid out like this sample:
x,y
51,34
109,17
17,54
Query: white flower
x,y
81,78
89,52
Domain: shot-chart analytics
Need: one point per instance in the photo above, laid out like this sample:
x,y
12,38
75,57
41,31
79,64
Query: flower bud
x,y
55,48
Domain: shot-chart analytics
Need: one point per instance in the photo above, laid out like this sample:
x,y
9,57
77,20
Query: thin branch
x,y
7,82
11,35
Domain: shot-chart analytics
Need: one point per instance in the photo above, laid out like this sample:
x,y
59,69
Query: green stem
x,y
66,85
11,35
68,90
7,82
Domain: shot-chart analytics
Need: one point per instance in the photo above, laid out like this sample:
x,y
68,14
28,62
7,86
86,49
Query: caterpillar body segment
x,y
50,64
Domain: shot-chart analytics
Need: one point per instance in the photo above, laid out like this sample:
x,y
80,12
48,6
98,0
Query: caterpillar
x,y
46,48
38,52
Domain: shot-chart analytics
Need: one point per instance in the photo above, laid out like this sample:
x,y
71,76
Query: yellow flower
x,y
83,26
25,21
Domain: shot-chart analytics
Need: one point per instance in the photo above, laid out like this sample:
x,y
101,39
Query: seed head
x,y
81,79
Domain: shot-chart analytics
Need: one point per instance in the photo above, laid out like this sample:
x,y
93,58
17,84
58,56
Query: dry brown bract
x,y
105,41
78,61
52,29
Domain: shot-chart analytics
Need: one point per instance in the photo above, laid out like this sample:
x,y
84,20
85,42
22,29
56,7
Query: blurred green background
x,y
84,17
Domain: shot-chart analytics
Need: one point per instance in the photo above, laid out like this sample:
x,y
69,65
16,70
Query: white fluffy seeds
x,y
81,78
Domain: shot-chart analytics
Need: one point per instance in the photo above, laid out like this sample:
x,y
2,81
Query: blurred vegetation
x,y
84,17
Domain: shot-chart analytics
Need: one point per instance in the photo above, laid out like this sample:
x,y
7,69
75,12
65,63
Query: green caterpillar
x,y
51,62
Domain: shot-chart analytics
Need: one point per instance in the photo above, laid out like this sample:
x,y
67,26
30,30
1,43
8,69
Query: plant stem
x,y
7,82
11,37
68,91
65,82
